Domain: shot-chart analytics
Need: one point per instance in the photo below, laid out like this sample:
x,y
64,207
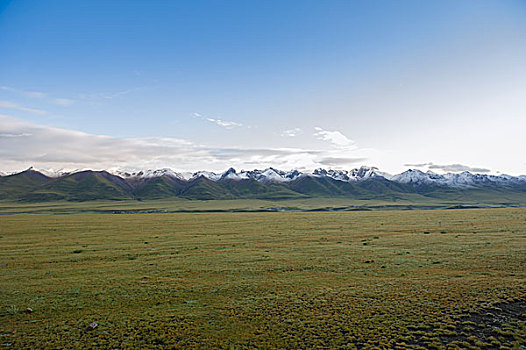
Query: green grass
x,y
262,280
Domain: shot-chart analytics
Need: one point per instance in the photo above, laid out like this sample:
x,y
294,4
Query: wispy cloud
x,y
223,123
454,168
339,161
292,132
336,138
12,105
419,165
63,101
93,97
14,135
32,94
459,168
23,144
38,95
113,95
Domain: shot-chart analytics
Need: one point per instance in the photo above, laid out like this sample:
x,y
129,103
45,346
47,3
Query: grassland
x,y
178,205
378,279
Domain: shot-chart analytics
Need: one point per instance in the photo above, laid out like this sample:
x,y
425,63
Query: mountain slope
x,y
203,188
363,183
315,186
17,185
82,186
158,187
250,188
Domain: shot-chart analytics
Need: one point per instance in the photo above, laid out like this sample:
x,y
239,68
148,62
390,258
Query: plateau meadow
x,y
365,279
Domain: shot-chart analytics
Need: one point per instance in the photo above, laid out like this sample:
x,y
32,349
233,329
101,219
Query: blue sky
x,y
211,84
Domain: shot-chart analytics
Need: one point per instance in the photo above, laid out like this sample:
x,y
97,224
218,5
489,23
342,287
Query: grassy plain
x,y
177,205
379,279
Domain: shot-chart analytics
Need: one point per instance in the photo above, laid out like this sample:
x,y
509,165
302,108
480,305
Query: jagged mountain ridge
x,y
411,176
270,183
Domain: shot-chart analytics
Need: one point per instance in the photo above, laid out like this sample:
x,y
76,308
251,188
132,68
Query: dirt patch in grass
x,y
499,325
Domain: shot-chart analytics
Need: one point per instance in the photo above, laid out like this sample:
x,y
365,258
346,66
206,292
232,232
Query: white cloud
x,y
49,147
459,168
11,105
223,123
419,165
336,138
292,132
24,144
454,168
63,101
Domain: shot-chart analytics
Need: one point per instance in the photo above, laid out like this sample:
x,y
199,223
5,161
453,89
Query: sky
x,y
207,85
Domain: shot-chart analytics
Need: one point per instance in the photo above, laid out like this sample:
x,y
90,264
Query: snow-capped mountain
x,y
266,176
269,175
147,174
456,180
362,183
359,174
411,177
52,173
207,174
274,175
416,177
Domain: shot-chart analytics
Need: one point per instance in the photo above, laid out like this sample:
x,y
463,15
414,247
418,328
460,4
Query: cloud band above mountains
x,y
454,168
24,144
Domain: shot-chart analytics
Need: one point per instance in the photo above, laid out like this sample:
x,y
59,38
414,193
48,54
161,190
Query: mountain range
x,y
32,185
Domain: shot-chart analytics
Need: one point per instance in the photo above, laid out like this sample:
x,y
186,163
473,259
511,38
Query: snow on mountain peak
x,y
147,174
271,175
207,174
231,174
413,177
52,172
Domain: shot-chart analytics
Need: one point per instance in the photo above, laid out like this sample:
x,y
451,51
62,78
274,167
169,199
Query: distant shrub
x,y
77,251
